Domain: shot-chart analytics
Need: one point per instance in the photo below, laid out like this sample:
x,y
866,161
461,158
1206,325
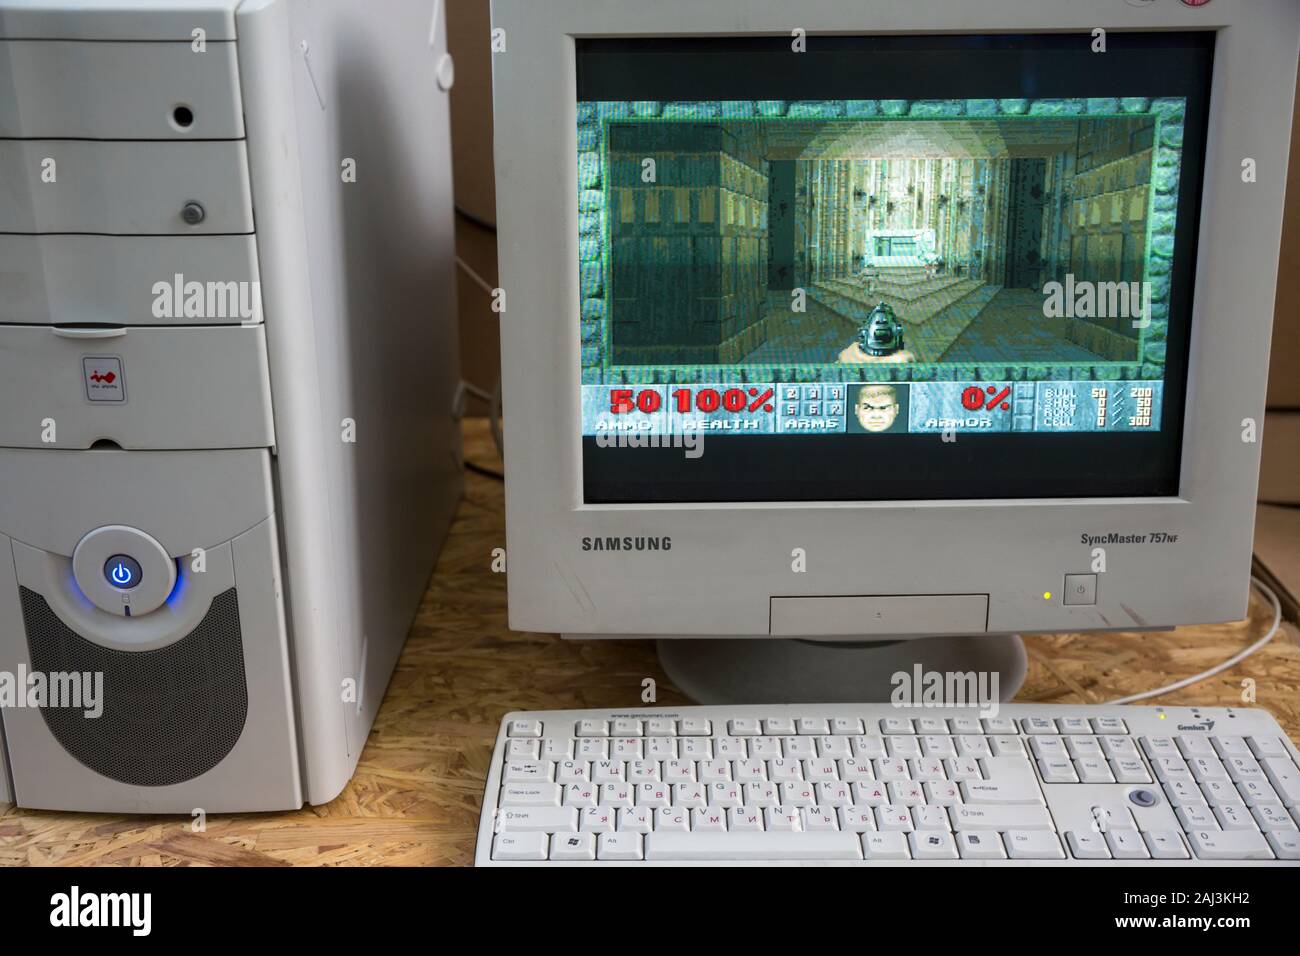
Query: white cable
x,y
495,420
475,277
494,398
479,393
1219,668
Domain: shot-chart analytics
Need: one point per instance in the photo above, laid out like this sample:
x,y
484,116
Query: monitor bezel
x,y
727,560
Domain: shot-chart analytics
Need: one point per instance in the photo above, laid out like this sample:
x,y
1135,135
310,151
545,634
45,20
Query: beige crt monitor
x,y
865,321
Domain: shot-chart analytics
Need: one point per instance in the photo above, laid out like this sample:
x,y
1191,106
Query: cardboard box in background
x,y
469,36
1277,526
1284,373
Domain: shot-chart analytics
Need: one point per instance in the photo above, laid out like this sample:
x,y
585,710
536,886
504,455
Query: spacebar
x,y
779,845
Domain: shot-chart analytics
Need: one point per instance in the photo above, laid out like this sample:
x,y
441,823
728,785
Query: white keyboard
x,y
874,783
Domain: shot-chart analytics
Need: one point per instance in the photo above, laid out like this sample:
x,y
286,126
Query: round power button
x,y
122,572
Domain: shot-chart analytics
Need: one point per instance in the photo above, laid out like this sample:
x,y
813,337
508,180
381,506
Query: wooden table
x,y
415,797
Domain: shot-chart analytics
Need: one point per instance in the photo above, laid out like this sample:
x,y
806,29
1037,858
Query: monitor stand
x,y
779,671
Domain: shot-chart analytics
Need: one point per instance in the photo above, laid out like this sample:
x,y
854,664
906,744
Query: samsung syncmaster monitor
x,y
855,319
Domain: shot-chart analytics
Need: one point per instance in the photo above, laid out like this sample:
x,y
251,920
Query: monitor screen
x,y
887,268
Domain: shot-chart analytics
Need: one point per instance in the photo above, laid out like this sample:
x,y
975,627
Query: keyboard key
x,y
530,795
901,746
661,727
1108,725
1073,725
1272,816
778,727
1047,747
1160,747
1284,777
528,771
1087,845
1033,845
709,820
1197,816
942,794
525,728
652,794
1082,747
1020,817
743,818
799,747
1234,816
832,745
520,846
934,745
1093,770
613,771
524,748
1118,747
1243,768
857,819
1038,725
811,726
572,771
546,819
816,819
1165,845
573,846
744,727
580,795
1003,768
1131,770
974,845
1004,745
1127,845
1263,747
1229,845
1012,791
930,818
868,747
619,846
635,819
846,726
1057,771
895,818
973,745
557,748
1195,745
672,820
1255,792
598,820
1284,844
932,845
1232,746
783,818
768,845
627,727
999,725
885,846
695,727
592,728
896,725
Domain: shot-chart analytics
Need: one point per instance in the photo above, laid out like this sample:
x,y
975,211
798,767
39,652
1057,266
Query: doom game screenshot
x,y
877,267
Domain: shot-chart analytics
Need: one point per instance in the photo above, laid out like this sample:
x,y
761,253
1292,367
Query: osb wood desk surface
x,y
415,797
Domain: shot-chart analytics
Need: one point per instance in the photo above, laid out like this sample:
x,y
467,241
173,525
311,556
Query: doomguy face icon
x,y
876,407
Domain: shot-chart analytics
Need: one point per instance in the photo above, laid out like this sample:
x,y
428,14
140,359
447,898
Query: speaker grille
x,y
169,715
